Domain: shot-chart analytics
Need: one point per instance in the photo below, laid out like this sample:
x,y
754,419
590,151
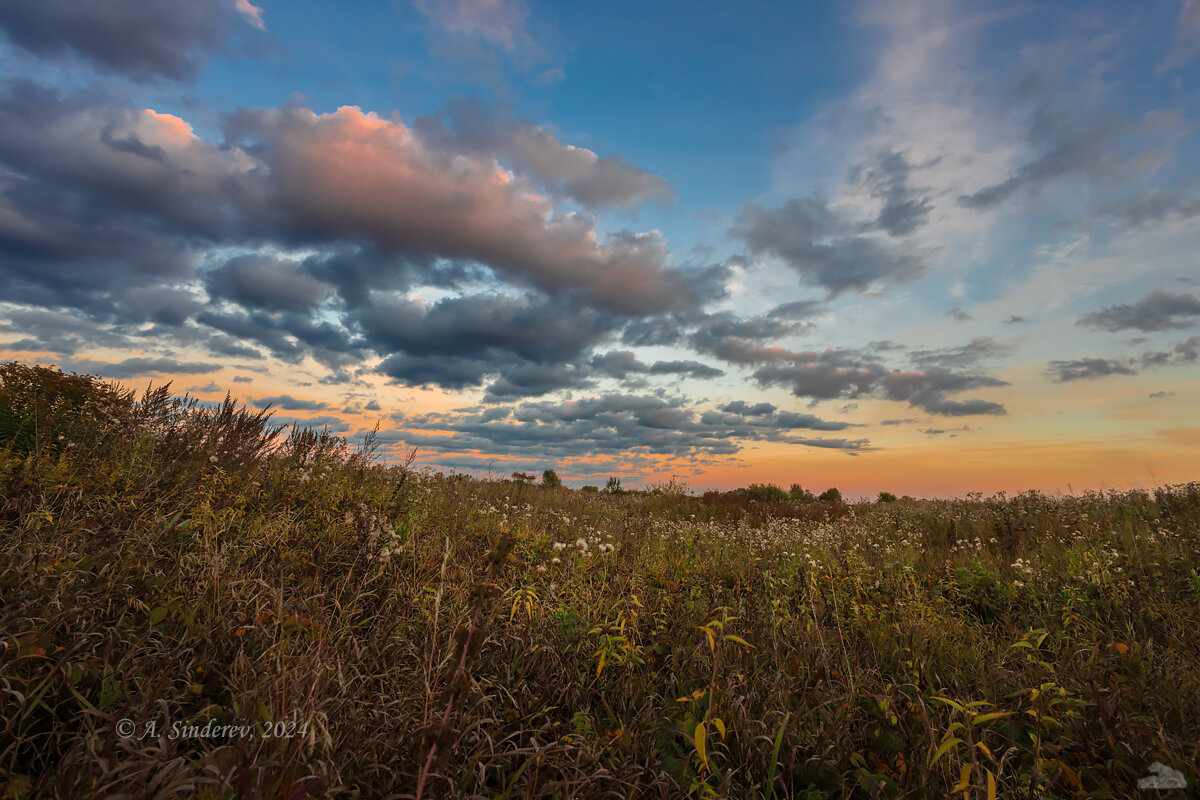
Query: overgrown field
x,y
167,564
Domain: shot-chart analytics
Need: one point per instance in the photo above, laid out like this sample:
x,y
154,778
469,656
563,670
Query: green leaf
x,y
775,756
158,615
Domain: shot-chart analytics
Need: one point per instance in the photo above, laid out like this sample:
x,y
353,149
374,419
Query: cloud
x,y
381,182
610,425
1185,42
110,209
620,364
976,351
289,403
464,125
266,282
1086,369
457,342
957,314
848,373
904,211
823,248
137,367
140,39
1154,206
1159,310
335,424
1160,395
499,22
252,13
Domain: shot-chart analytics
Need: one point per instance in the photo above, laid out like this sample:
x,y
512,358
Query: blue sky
x,y
920,246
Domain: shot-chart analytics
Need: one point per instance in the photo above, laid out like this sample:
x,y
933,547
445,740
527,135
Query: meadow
x,y
401,633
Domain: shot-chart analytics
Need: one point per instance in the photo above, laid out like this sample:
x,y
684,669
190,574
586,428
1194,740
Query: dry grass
x,y
166,563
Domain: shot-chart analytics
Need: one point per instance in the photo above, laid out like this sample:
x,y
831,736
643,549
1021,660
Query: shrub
x,y
798,494
887,497
613,486
831,495
591,489
765,492
551,480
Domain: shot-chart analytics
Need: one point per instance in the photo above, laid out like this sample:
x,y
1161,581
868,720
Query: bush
x,y
765,492
798,494
613,486
887,497
831,495
590,489
551,480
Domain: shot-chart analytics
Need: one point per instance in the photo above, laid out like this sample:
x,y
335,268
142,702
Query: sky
x,y
928,247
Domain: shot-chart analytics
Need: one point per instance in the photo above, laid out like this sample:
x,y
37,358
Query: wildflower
x,y
212,459
559,547
556,561
581,544
541,569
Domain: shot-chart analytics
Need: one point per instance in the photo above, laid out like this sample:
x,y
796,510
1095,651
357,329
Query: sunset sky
x,y
924,247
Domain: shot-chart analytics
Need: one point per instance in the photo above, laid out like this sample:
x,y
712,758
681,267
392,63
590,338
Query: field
x,y
412,633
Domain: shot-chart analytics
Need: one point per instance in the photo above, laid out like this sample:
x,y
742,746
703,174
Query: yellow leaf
x,y
720,726
984,748
600,666
990,716
739,640
949,702
991,785
964,779
701,750
945,746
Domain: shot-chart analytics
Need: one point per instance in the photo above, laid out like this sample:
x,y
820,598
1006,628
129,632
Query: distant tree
x,y
591,489
550,479
831,495
887,497
798,494
613,486
766,492
522,477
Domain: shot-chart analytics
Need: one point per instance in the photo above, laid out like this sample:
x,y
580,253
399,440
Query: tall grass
x,y
167,563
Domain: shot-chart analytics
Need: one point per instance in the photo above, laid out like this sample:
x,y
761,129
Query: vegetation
x,y
167,563
551,480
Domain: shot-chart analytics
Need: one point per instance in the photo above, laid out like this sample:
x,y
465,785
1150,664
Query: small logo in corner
x,y
1163,777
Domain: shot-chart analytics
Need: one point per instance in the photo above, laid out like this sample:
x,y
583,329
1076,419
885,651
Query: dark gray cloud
x,y
141,39
335,424
1015,319
823,248
289,403
268,283
977,351
137,367
1069,143
620,364
957,313
1086,369
1155,206
1160,395
466,125
1183,353
612,424
905,208
1186,352
832,374
1159,310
